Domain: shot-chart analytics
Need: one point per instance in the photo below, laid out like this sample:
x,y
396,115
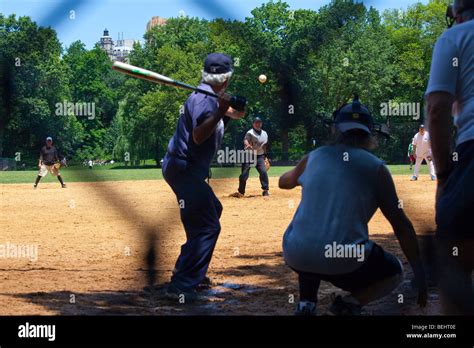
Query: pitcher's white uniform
x,y
423,151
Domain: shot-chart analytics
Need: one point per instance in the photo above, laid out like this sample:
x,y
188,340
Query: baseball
x,y
262,78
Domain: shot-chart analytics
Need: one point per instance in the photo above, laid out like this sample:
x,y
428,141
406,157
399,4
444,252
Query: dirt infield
x,y
90,255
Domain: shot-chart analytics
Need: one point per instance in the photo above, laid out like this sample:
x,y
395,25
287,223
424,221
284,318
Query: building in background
x,y
118,51
154,21
107,44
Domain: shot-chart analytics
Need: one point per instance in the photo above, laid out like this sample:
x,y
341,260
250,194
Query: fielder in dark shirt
x,y
49,162
49,155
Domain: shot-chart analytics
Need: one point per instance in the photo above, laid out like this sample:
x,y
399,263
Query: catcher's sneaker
x,y
413,178
305,308
265,193
181,295
343,307
63,186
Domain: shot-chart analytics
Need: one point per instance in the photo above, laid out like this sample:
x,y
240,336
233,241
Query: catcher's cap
x,y
257,119
353,116
218,63
49,139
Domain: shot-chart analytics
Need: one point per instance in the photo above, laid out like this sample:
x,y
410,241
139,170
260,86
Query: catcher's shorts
x,y
456,204
44,169
379,265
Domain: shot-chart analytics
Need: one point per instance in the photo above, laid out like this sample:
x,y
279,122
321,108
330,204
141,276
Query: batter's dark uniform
x,y
185,168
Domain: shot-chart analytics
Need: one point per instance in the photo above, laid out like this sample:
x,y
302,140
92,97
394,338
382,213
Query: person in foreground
x,y
328,236
451,91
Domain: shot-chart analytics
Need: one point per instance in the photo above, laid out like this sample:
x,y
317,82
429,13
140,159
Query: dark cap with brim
x,y
347,126
218,63
353,116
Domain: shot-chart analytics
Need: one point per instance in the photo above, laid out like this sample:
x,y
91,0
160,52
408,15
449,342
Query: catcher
x,y
334,213
256,139
49,162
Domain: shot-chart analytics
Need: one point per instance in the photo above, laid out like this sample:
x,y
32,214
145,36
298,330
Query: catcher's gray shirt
x,y
329,232
257,141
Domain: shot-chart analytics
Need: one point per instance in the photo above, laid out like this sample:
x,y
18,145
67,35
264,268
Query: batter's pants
x,y
200,213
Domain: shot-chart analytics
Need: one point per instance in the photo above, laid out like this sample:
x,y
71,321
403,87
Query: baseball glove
x,y
267,164
60,164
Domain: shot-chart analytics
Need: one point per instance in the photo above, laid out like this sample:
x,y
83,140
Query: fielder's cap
x,y
49,139
218,63
353,116
257,119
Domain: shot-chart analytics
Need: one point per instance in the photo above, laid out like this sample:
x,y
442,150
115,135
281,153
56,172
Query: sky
x,y
91,17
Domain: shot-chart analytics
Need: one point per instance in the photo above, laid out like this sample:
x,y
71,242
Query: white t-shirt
x,y
423,144
257,141
452,71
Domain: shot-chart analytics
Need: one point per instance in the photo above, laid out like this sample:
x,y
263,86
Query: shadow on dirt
x,y
277,296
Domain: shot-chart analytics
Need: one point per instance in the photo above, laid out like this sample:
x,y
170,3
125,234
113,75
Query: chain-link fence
x,y
7,164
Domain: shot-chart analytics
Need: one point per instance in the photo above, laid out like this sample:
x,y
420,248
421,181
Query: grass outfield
x,y
81,174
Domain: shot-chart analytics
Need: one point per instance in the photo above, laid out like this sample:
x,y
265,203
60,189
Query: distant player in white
x,y
422,150
256,140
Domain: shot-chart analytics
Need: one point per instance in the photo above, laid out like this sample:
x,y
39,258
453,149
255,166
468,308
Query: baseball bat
x,y
237,102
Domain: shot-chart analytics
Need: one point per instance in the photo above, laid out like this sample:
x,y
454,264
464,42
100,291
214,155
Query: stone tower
x,y
107,44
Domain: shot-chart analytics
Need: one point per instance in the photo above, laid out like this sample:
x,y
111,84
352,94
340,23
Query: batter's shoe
x,y
181,295
413,178
265,193
205,284
305,309
342,307
35,186
63,186
236,195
